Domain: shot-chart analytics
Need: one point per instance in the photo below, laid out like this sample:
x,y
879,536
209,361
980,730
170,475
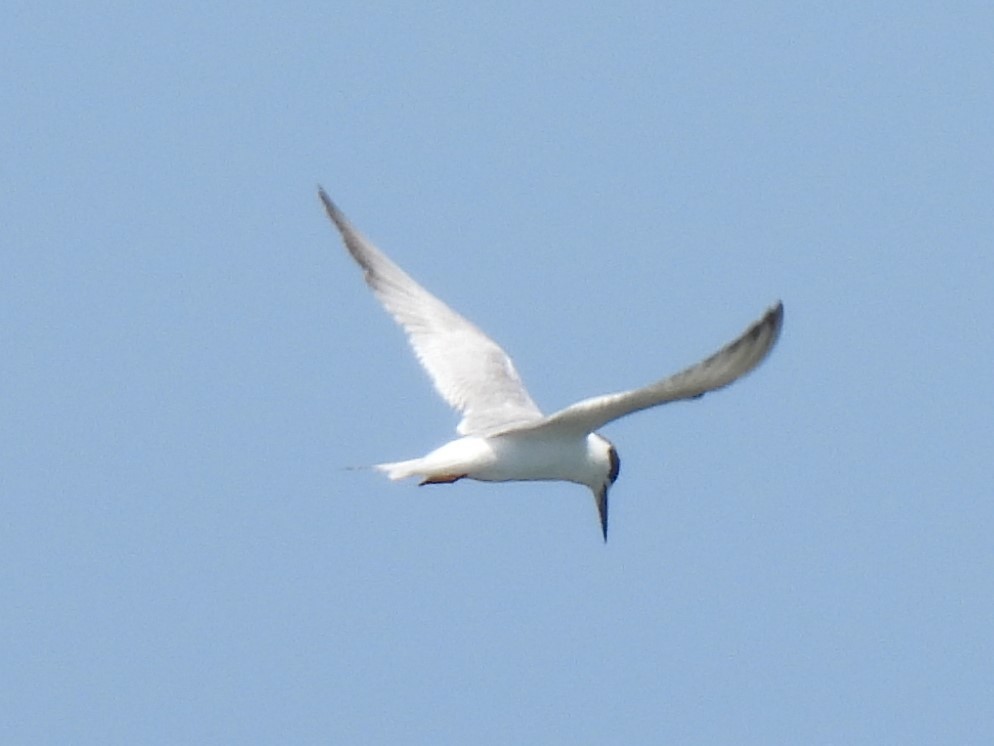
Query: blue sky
x,y
190,361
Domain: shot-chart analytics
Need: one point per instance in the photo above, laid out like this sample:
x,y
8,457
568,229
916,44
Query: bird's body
x,y
504,435
525,457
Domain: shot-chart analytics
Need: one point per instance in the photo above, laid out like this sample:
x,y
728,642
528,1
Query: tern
x,y
503,436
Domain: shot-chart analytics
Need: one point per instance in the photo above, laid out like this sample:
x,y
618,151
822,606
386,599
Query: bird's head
x,y
608,465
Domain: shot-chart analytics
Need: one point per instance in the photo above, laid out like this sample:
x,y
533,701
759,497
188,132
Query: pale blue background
x,y
188,359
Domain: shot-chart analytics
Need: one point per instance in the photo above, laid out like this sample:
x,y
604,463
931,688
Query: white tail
x,y
401,469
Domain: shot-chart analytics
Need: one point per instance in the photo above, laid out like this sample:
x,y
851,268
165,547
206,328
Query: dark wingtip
x,y
334,213
771,324
775,319
776,313
329,206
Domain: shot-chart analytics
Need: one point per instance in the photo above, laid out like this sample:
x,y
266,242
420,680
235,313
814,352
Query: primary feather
x,y
731,362
469,370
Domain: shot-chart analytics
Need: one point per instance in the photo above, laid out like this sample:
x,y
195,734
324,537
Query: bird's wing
x,y
470,371
729,363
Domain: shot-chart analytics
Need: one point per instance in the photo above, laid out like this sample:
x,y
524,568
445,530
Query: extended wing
x,y
731,362
470,371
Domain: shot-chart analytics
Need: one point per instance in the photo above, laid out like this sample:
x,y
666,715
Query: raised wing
x,y
729,363
470,371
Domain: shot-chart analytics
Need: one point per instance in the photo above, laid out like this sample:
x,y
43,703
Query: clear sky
x,y
189,361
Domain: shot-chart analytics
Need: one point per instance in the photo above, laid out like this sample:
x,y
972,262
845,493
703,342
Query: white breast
x,y
528,458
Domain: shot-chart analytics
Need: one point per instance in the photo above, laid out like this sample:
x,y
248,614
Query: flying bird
x,y
503,436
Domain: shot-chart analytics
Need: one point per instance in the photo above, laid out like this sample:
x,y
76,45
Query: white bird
x,y
503,435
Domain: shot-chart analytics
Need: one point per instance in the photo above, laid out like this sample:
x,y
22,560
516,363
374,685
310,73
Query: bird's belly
x,y
531,459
